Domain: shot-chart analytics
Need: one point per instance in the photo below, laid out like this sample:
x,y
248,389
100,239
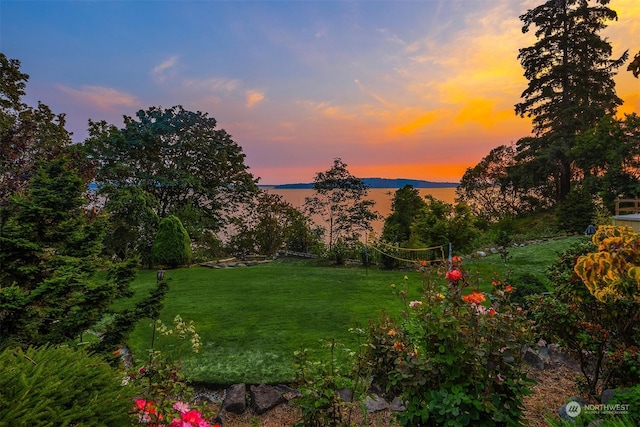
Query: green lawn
x,y
251,320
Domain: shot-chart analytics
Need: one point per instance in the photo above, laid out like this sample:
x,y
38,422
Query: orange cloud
x,y
417,123
482,111
253,98
450,172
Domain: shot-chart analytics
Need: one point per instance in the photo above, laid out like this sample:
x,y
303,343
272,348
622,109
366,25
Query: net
x,y
433,254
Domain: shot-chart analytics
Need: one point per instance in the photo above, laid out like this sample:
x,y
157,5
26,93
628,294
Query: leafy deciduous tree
x,y
27,134
269,224
609,157
340,201
494,189
177,156
405,207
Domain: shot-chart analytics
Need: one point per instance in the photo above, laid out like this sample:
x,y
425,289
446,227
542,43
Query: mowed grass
x,y
532,259
251,320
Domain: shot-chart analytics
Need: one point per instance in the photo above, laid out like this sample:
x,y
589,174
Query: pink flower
x,y
415,303
192,416
181,407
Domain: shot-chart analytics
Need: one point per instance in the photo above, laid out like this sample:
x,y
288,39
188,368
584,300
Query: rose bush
x,y
453,359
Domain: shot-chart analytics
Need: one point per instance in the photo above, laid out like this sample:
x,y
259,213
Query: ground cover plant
x,y
252,320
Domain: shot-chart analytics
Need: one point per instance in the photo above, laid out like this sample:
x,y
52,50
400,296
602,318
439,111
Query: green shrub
x,y
525,285
320,402
576,212
61,386
630,397
172,246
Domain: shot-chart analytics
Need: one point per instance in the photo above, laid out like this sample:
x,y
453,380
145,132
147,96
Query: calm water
x,y
382,196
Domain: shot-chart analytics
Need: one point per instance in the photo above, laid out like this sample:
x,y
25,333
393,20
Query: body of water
x,y
381,196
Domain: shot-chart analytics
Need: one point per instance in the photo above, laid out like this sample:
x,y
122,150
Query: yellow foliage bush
x,y
612,273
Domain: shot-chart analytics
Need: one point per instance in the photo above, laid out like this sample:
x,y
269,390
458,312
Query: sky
x,y
419,89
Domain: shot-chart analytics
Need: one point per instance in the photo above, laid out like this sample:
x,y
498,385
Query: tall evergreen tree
x,y
571,87
49,247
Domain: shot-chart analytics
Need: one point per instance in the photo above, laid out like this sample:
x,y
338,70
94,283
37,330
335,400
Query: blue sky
x,y
413,89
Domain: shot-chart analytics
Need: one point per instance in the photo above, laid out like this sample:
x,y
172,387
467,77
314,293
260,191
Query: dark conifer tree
x,y
571,87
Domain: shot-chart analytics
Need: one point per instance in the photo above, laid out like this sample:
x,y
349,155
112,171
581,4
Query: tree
x,y
634,66
609,157
172,246
27,134
494,189
405,207
178,157
571,83
439,223
49,256
133,223
270,224
340,202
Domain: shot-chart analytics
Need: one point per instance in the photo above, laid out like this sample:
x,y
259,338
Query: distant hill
x,y
383,183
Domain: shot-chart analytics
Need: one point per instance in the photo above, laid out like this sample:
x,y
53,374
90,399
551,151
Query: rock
x,y
265,397
235,400
397,405
533,359
346,394
375,403
288,392
607,395
481,254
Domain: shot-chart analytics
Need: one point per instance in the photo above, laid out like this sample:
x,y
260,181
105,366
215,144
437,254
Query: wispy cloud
x,y
253,98
103,98
160,71
214,84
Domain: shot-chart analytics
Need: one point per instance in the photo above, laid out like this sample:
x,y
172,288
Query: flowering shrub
x,y
162,379
181,416
453,359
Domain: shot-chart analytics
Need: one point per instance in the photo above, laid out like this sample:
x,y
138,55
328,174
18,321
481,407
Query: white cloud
x,y
159,72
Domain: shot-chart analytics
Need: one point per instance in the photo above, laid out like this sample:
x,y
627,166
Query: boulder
x,y
265,397
532,358
375,403
235,400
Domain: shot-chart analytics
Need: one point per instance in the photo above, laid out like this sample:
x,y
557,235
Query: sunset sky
x,y
410,89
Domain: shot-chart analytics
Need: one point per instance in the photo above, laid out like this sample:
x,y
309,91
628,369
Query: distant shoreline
x,y
377,183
